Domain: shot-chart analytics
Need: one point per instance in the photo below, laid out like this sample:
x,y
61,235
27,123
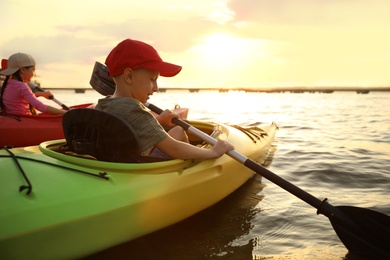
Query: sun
x,y
227,52
222,50
227,60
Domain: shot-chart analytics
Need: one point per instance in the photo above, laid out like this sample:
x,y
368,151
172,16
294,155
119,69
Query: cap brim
x,y
8,72
166,69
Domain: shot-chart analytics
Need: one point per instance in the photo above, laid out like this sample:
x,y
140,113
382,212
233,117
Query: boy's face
x,y
144,84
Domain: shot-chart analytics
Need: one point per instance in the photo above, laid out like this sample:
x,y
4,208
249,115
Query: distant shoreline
x,y
360,90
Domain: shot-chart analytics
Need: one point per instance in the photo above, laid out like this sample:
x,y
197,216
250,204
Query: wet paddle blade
x,y
370,235
101,81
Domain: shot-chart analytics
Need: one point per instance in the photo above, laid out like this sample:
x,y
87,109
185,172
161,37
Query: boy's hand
x,y
166,117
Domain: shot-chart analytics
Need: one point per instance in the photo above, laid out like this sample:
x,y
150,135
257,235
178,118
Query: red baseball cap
x,y
136,54
4,64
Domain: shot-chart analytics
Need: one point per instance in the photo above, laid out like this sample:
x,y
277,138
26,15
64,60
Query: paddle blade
x,y
101,81
369,236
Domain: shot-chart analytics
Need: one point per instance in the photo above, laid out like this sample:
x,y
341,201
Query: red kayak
x,y
20,131
26,130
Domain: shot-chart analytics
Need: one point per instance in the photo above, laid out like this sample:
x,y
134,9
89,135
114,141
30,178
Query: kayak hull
x,y
20,131
70,214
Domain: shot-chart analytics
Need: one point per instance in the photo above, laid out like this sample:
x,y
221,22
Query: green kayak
x,y
55,205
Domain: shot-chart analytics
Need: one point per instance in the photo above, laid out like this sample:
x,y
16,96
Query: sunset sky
x,y
236,43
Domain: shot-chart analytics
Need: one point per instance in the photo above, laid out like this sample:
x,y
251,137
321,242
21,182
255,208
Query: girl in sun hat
x,y
16,97
135,67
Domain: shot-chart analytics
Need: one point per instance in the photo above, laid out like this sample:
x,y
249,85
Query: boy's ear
x,y
128,75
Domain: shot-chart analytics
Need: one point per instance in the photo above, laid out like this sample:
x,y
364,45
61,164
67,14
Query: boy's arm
x,y
181,150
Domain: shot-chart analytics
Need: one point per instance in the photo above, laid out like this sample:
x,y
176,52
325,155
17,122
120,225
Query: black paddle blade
x,y
101,81
369,234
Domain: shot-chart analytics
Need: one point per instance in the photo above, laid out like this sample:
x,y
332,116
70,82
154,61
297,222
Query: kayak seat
x,y
102,135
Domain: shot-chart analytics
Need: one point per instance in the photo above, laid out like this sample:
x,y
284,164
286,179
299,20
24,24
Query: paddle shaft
x,y
323,207
101,81
35,86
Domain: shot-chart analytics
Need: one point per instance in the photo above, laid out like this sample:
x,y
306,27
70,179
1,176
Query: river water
x,y
334,145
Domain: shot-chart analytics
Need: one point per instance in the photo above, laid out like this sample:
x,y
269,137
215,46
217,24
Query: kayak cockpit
x,y
105,136
59,149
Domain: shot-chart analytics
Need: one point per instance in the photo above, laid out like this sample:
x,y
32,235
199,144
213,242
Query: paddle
x,y
35,86
364,232
101,81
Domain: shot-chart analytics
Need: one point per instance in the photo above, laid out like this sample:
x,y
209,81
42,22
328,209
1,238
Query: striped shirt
x,y
146,127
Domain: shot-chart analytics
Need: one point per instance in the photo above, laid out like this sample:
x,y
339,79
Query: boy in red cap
x,y
135,67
